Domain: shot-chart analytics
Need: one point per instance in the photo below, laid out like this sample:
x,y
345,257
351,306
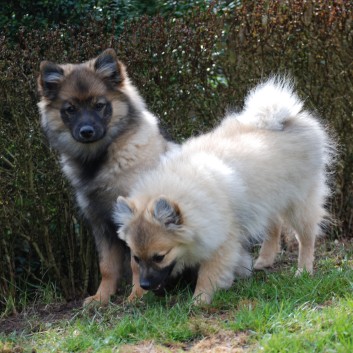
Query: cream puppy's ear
x,y
167,213
122,214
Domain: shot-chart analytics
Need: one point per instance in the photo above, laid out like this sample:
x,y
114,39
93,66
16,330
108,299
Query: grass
x,y
270,312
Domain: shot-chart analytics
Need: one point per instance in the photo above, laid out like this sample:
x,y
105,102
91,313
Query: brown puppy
x,y
97,121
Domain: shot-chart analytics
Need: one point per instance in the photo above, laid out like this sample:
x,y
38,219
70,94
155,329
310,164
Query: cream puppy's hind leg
x,y
306,253
306,236
305,219
269,248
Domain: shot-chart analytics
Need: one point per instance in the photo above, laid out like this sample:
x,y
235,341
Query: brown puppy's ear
x,y
167,213
49,80
110,69
123,211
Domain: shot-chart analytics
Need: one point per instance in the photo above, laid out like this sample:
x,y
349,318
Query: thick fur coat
x,y
259,168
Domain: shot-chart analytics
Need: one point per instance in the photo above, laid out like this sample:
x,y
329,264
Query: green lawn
x,y
271,312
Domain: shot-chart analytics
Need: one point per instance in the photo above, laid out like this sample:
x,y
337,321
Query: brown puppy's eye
x,y
137,260
158,258
71,109
99,106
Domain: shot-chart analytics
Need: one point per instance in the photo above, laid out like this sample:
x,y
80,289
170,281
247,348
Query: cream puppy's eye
x,y
137,260
158,258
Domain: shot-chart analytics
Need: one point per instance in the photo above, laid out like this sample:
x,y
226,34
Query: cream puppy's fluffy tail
x,y
270,104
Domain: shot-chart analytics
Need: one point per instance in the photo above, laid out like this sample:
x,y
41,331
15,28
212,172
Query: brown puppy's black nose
x,y
87,132
145,284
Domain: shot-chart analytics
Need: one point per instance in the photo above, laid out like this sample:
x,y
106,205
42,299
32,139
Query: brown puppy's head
x,y
153,234
84,104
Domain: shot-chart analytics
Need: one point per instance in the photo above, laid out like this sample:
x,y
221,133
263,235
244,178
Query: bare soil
x,y
34,318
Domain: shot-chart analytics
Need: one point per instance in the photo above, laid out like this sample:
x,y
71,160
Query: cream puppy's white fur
x,y
257,169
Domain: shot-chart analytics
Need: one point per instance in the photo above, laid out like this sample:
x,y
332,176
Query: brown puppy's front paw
x,y
97,299
136,294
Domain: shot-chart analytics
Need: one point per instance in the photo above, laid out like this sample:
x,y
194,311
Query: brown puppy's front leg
x,y
137,292
111,268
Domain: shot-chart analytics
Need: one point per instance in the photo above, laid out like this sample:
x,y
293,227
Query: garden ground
x,y
272,312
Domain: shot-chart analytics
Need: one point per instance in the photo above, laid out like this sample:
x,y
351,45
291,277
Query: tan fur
x,y
270,248
137,292
110,269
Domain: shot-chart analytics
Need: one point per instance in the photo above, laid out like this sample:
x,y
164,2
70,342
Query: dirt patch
x,y
222,342
37,317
